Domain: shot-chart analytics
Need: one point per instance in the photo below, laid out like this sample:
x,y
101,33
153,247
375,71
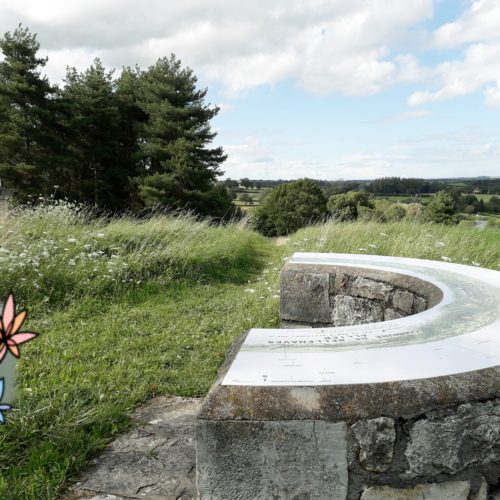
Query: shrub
x,y
395,212
344,207
442,209
290,207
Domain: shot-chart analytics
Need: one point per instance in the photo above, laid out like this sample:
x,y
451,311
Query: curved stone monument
x,y
385,383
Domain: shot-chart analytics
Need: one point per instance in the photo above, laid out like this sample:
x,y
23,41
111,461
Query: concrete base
x,y
271,460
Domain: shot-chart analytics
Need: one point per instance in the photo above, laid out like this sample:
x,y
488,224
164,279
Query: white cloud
x,y
463,152
481,65
325,45
480,22
478,29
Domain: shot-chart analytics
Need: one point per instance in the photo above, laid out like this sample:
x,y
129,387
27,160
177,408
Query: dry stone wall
x,y
326,297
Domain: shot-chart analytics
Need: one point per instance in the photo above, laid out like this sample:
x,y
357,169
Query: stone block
x,y
482,492
355,311
271,459
403,301
470,436
370,289
451,490
376,439
419,304
391,314
304,297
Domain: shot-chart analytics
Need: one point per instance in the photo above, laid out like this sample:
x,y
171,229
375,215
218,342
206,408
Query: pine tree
x,y
30,134
179,167
99,173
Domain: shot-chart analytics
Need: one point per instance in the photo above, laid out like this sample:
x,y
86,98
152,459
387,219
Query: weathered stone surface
x,y
419,304
305,297
355,311
469,436
403,301
482,492
271,460
376,439
370,289
155,461
391,314
451,490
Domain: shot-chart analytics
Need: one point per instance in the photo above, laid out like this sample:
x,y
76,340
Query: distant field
x,y
485,197
423,198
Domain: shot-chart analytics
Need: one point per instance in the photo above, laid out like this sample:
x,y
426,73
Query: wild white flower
x,y
71,262
362,249
445,258
45,254
23,254
440,244
250,290
72,240
276,296
87,247
99,235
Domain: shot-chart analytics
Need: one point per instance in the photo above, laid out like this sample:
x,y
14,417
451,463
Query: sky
x,y
326,89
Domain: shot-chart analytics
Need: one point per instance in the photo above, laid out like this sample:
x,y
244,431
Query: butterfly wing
x,y
8,312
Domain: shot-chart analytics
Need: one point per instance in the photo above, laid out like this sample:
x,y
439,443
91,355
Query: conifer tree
x,y
180,168
30,135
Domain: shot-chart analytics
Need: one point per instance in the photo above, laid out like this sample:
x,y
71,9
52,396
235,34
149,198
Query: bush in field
x,y
415,211
442,209
290,207
395,212
344,207
367,214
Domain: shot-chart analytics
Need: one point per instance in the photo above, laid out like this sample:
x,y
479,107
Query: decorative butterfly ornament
x,y
3,407
10,339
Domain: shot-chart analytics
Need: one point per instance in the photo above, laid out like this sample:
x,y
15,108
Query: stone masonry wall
x,y
340,298
444,454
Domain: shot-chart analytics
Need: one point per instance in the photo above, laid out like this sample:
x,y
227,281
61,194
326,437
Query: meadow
x,y
130,309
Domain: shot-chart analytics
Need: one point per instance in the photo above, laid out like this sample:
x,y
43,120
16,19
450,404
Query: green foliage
x,y
290,207
113,335
149,307
139,141
344,207
442,208
30,135
179,169
395,212
246,199
460,243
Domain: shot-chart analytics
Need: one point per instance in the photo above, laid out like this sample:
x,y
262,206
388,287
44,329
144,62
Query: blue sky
x,y
326,89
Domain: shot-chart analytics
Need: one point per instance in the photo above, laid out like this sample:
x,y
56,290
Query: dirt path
x,y
280,241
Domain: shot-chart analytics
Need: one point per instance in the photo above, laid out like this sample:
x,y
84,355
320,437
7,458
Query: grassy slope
x,y
160,325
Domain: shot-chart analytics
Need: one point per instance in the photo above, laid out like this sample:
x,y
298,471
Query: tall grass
x,y
126,310
130,309
462,244
56,253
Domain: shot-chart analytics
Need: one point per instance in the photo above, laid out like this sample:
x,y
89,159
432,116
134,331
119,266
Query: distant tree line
x,y
297,204
382,186
133,141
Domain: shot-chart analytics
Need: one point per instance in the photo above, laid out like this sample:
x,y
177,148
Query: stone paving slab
x,y
155,460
